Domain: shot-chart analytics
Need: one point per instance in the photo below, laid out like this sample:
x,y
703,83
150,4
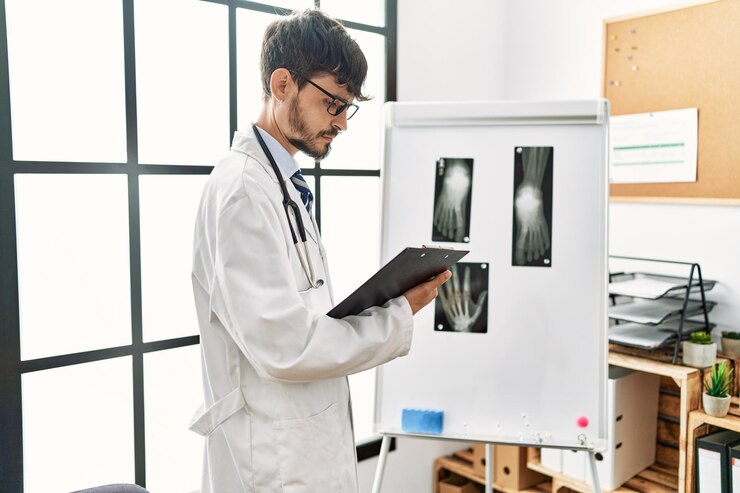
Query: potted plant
x,y
716,396
699,351
731,343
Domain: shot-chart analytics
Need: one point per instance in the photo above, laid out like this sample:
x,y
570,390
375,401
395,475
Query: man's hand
x,y
421,295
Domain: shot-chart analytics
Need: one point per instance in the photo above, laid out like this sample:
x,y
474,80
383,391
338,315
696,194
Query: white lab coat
x,y
276,415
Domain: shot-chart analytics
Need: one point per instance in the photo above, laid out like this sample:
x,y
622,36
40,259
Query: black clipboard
x,y
409,268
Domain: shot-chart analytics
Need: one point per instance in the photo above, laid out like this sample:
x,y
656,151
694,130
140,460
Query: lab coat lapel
x,y
247,143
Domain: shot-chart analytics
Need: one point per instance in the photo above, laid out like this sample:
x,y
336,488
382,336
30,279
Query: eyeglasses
x,y
337,105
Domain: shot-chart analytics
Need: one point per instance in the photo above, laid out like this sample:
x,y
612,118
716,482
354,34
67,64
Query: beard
x,y
303,140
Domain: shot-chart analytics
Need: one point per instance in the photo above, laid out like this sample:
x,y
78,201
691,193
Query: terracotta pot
x,y
731,347
699,355
715,406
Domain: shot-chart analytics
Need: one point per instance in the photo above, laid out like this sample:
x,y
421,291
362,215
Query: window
x,y
108,130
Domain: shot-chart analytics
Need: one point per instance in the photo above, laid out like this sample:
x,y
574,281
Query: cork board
x,y
685,58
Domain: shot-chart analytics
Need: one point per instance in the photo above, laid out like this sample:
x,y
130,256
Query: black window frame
x,y
11,366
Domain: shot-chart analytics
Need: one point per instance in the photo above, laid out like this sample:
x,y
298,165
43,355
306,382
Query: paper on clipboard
x,y
657,147
409,268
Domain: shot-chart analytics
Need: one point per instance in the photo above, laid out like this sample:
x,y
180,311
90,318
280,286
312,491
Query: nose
x,y
340,121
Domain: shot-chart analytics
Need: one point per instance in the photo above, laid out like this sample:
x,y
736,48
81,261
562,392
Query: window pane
x,y
311,182
350,224
362,386
291,4
168,208
359,147
73,263
78,426
372,12
250,27
182,81
66,80
172,393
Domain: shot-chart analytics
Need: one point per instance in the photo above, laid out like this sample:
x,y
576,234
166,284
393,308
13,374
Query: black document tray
x,y
409,268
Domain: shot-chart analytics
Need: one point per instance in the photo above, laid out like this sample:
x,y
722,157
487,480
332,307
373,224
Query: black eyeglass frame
x,y
351,108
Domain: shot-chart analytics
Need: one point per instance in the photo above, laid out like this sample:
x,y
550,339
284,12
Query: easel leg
x,y
385,446
489,468
594,471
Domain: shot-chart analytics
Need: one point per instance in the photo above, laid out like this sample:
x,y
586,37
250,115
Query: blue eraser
x,y
422,421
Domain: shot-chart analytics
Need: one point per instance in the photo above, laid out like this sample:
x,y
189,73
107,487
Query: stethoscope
x,y
291,205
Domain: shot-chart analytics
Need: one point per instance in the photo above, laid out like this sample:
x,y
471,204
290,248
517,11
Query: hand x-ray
x,y
532,237
452,198
461,305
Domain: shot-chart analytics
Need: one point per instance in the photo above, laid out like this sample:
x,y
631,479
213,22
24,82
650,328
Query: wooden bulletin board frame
x,y
684,57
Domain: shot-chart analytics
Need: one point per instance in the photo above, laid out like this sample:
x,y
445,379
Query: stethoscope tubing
x,y
290,204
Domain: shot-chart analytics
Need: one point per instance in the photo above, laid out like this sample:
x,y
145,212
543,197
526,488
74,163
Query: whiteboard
x,y
537,365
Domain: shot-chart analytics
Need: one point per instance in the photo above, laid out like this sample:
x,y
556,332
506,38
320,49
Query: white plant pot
x,y
715,406
699,355
731,347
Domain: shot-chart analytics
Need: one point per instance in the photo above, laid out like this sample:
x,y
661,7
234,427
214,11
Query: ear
x,y
281,84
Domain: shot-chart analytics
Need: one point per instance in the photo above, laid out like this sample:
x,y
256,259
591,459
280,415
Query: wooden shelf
x,y
689,382
461,464
701,424
654,479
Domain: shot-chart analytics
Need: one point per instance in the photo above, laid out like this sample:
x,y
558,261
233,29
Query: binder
x,y
713,461
409,268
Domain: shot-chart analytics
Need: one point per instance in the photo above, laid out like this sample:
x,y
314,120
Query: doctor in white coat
x,y
276,412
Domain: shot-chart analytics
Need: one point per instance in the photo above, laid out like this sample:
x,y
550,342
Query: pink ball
x,y
582,421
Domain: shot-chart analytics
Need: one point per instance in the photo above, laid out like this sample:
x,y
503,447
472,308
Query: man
x,y
277,409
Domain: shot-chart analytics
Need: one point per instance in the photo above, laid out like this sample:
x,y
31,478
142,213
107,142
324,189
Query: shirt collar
x,y
288,166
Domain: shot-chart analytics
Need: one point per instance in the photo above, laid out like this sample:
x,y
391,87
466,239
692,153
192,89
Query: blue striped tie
x,y
300,184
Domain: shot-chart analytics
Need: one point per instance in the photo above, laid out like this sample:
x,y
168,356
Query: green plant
x,y
720,380
700,337
730,334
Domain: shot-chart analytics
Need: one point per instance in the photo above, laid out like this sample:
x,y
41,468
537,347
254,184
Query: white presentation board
x,y
514,350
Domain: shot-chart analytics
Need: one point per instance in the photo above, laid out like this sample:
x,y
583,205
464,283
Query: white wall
x,y
451,51
554,49
542,49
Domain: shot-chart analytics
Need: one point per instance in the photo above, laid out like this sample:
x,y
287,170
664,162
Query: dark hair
x,y
311,43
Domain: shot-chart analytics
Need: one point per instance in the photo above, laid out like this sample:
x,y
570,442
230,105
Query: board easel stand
x,y
386,445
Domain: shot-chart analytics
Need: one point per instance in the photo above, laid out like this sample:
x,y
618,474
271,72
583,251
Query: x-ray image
x,y
452,199
461,305
532,238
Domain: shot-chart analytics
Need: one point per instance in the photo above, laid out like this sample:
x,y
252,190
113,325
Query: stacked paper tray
x,y
650,336
651,286
654,312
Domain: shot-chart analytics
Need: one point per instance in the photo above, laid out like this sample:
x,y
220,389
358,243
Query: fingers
x,y
440,279
466,283
479,306
445,303
455,279
421,295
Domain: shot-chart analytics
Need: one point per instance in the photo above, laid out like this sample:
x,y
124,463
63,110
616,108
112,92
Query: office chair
x,y
114,488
